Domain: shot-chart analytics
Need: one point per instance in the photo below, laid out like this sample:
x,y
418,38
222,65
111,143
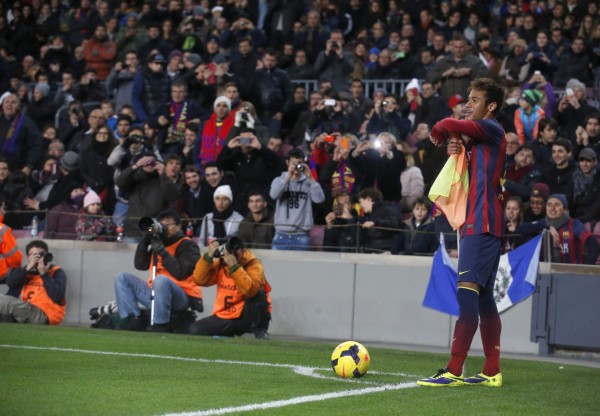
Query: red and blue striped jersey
x,y
486,156
573,236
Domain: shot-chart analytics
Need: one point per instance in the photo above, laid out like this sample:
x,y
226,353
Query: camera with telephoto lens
x,y
150,226
230,244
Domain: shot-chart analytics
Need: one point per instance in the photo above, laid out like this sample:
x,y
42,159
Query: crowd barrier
x,y
319,295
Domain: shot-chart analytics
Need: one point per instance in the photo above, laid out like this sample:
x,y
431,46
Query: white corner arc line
x,y
303,370
295,400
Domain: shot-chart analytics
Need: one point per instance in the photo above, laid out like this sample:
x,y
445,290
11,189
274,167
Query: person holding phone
x,y
254,167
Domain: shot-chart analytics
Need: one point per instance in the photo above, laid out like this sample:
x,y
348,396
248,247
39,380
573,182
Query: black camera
x,y
230,244
150,226
335,46
47,257
300,167
133,139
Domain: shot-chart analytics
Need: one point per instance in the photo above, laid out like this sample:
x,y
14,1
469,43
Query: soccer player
x,y
481,234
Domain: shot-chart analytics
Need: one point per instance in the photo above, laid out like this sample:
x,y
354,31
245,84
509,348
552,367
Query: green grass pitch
x,y
79,371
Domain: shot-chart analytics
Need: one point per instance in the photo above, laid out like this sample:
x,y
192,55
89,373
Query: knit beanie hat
x,y
91,198
223,99
562,198
43,88
531,96
223,190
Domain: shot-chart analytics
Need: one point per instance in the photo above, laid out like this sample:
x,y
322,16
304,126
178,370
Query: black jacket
x,y
378,238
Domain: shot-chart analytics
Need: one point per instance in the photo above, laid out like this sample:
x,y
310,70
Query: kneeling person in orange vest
x,y
243,302
36,292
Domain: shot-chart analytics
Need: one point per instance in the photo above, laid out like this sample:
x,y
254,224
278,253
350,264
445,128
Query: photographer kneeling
x,y
36,293
173,287
243,302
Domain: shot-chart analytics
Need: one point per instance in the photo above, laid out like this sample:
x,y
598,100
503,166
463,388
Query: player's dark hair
x,y
493,92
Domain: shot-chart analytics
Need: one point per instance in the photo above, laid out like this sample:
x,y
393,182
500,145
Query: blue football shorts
x,y
478,259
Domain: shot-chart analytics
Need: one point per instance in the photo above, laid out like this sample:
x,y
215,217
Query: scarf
x,y
581,183
11,135
178,115
342,178
558,224
219,219
213,137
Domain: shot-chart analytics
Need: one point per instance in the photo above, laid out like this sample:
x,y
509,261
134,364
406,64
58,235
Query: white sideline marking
x,y
298,369
296,400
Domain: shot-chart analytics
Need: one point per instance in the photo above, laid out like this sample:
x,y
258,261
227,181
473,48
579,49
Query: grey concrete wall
x,y
371,298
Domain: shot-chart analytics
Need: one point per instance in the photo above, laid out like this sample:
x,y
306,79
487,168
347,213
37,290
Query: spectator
x,y
301,68
411,179
511,71
78,134
215,131
528,115
294,192
558,176
253,165
572,243
120,79
154,42
573,64
244,66
100,52
301,130
89,89
171,288
62,218
36,292
65,94
513,212
95,170
573,109
588,135
404,61
68,179
312,37
149,190
341,232
459,69
420,237
271,92
384,68
382,164
20,140
340,173
387,118
379,223
428,158
521,175
150,88
456,104
359,105
541,56
536,209
257,229
586,187
542,147
130,37
92,225
243,302
433,107
174,116
328,116
334,63
190,197
223,221
41,109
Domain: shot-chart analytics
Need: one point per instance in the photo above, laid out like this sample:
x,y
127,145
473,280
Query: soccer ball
x,y
350,359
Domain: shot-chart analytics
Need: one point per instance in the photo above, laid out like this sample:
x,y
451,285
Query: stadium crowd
x,y
116,110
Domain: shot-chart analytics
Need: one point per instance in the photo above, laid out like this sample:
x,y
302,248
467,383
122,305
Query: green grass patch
x,y
160,374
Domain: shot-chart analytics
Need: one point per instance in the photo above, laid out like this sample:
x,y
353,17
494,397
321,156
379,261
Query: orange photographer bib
x,y
34,293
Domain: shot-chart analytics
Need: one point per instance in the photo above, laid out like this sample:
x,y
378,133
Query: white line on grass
x,y
298,369
296,400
